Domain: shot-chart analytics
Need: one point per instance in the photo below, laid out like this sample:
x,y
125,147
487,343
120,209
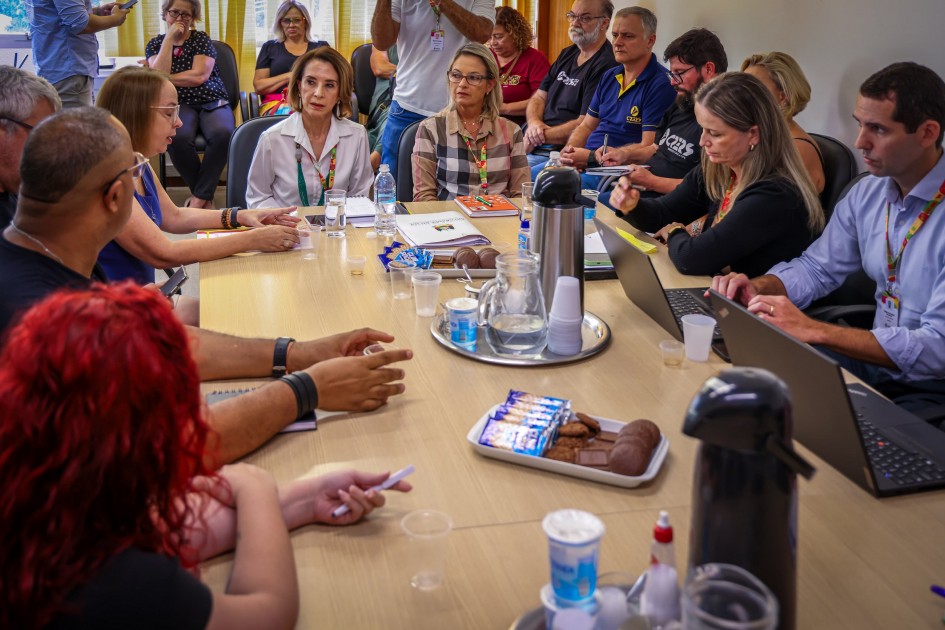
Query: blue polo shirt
x,y
625,113
59,51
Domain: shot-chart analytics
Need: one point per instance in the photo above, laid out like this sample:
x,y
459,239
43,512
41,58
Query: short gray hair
x,y
19,93
284,8
647,17
64,148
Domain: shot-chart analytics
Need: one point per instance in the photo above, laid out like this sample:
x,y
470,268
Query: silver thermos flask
x,y
557,228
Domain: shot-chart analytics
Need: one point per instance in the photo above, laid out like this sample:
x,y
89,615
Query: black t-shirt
x,y
29,276
570,87
677,140
274,57
138,589
7,209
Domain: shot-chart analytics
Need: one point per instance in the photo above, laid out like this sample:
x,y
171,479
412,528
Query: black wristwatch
x,y
280,356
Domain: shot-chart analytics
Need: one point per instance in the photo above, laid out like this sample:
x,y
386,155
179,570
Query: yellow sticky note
x,y
643,246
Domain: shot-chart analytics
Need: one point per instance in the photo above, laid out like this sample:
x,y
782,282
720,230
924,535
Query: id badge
x,y
436,40
889,305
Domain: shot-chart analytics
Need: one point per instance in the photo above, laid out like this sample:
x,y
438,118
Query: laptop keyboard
x,y
684,303
895,463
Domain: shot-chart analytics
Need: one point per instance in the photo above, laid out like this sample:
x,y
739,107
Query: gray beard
x,y
582,38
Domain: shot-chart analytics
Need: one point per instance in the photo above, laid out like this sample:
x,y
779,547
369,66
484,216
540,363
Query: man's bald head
x,y
66,147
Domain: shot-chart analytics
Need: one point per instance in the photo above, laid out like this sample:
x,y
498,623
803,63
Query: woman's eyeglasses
x,y
183,15
472,79
136,170
176,109
291,21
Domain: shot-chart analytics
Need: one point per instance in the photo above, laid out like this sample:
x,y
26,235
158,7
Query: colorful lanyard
x,y
435,5
481,162
326,185
892,263
724,206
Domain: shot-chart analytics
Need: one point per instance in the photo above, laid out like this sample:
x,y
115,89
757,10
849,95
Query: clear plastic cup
x,y
672,352
427,544
355,265
727,597
528,189
335,219
697,331
311,238
426,292
401,275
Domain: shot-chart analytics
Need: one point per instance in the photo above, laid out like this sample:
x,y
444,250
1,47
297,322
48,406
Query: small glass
x,y
426,292
311,235
401,276
673,352
355,265
335,217
727,597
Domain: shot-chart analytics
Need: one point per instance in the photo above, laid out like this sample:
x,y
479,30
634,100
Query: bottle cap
x,y
384,168
525,224
554,155
663,531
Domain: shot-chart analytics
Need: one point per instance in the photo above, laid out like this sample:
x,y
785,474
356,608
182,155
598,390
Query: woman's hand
x,y
624,197
663,235
268,216
176,33
348,487
233,480
273,238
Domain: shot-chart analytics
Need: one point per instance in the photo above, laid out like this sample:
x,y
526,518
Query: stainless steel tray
x,y
594,331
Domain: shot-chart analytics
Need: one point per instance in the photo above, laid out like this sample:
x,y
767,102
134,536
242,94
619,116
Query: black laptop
x,y
643,287
867,437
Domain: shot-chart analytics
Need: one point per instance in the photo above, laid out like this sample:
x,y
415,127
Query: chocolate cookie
x,y
561,453
487,257
466,256
589,422
571,442
574,429
641,428
630,457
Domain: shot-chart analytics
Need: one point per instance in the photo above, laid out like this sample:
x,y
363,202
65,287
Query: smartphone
x,y
127,6
174,283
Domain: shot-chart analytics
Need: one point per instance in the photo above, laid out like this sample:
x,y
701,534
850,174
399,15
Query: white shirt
x,y
421,72
273,175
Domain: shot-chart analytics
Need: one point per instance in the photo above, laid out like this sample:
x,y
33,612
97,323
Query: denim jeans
x,y
397,120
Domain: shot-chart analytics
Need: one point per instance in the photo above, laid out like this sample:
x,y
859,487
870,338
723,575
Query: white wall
x,y
838,43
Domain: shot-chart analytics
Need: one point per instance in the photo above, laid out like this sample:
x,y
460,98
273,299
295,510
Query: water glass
x,y
426,292
401,276
335,218
528,189
310,239
427,543
727,597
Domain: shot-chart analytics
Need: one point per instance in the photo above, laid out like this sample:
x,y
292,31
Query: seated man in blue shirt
x,y
630,100
892,227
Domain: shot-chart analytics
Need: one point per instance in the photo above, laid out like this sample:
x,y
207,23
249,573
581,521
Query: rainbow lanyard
x,y
481,162
892,263
724,206
435,5
326,185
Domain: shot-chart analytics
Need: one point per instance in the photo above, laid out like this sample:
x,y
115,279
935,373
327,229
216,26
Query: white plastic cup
x,y
463,314
400,279
427,544
566,305
573,550
426,292
335,219
697,331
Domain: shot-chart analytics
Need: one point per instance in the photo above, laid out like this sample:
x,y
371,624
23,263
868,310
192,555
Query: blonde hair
x,y
129,94
493,99
787,77
284,8
194,5
741,101
345,79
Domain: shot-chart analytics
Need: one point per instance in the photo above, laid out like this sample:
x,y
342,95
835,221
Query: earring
x,y
751,147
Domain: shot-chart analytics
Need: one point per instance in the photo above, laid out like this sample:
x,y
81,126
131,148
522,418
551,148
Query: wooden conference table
x,y
863,563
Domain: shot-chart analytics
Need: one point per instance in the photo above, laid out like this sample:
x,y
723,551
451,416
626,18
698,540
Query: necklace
x,y
38,242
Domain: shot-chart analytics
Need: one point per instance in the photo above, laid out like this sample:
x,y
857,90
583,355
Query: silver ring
x,y
286,243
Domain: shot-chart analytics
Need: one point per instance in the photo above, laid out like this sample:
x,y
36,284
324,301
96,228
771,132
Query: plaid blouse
x,y
444,167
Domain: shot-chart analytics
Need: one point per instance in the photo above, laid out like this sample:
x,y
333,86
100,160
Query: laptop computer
x,y
871,440
642,285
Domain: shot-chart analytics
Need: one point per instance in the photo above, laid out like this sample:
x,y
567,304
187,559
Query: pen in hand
x,y
603,150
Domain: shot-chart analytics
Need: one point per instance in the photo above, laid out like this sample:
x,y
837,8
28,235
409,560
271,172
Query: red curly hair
x,y
101,430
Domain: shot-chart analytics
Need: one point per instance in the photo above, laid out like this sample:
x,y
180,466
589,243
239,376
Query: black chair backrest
x,y
404,166
226,64
839,168
242,148
364,79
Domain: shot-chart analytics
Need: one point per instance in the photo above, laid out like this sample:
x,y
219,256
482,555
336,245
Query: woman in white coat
x,y
316,148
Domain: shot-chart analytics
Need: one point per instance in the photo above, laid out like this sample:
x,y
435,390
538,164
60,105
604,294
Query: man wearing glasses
x,y
77,183
630,100
25,99
427,33
65,50
694,57
559,104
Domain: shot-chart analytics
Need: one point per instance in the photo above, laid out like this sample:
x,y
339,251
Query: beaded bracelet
x,y
225,219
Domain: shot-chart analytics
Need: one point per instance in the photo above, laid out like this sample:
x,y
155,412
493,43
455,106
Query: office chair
x,y
364,79
404,166
839,169
226,65
240,156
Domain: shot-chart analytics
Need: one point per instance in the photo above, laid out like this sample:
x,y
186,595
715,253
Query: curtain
x,y
352,25
526,7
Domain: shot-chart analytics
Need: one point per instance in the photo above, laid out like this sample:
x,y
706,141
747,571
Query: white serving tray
x,y
572,470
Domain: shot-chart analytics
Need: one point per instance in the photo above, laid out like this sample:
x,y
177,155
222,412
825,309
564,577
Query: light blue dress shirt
x,y
855,237
59,51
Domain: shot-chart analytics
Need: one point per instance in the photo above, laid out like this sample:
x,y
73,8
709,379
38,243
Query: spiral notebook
x,y
308,422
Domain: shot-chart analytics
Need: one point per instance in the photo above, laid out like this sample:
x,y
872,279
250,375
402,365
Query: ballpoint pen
x,y
603,151
483,200
391,481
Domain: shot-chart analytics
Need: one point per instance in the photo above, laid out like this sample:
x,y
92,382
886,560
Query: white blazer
x,y
273,175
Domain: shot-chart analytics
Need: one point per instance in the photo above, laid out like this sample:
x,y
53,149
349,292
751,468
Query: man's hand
x,y
268,216
347,487
303,354
574,156
535,134
780,311
624,197
735,286
358,383
615,156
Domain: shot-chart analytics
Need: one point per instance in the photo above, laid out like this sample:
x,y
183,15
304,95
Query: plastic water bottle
x,y
385,202
524,233
554,159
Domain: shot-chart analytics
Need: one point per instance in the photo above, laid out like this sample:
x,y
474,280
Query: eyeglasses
x,y
176,109
174,13
18,122
136,170
291,21
677,76
472,79
584,18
